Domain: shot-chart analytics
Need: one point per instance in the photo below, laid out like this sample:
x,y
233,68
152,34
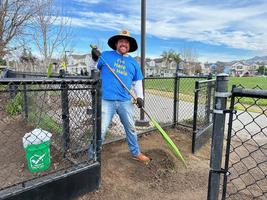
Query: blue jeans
x,y
125,110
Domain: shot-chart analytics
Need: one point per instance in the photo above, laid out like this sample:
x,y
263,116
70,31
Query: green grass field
x,y
187,86
248,82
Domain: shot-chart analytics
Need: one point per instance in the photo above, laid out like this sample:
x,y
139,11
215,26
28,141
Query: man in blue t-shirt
x,y
115,99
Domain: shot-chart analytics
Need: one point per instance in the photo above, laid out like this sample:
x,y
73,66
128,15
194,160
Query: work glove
x,y
139,102
95,54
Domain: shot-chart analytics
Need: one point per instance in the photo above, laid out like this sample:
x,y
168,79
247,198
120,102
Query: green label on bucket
x,y
37,161
38,157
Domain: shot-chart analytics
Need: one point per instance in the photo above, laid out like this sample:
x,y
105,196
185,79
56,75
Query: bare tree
x,y
189,57
28,61
14,15
51,32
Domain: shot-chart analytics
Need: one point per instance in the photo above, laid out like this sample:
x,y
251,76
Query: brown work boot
x,y
142,158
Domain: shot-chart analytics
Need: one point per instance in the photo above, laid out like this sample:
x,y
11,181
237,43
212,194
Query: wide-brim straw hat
x,y
123,34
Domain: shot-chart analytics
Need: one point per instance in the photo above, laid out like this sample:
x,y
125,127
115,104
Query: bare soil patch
x,y
164,177
13,163
123,178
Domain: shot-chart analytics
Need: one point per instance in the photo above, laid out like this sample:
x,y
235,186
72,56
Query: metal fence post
x,y
221,94
13,90
98,121
25,102
175,100
228,144
65,116
208,100
195,115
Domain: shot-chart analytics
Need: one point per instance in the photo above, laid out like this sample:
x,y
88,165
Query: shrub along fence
x,y
46,127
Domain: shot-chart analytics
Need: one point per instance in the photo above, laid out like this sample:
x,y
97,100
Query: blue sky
x,y
216,30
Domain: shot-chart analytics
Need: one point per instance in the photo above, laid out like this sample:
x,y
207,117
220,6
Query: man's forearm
x,y
138,89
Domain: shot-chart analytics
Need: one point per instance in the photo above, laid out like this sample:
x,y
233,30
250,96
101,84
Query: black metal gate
x,y
202,117
246,150
69,110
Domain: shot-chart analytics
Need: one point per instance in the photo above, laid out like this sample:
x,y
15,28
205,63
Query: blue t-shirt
x,y
127,69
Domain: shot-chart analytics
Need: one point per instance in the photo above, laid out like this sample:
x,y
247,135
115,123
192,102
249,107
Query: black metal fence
x,y
246,151
170,100
46,129
202,119
244,170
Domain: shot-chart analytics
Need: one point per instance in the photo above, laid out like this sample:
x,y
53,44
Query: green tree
x,y
2,61
262,70
171,55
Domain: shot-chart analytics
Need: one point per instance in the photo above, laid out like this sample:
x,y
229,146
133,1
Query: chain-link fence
x,y
186,93
202,119
18,74
246,152
46,127
170,100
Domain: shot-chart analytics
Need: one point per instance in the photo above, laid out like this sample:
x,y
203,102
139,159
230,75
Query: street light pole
x,y
143,44
142,121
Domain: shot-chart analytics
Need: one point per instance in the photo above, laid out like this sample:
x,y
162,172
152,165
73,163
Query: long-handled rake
x,y
167,139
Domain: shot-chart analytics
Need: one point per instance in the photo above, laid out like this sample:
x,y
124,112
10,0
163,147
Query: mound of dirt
x,y
164,177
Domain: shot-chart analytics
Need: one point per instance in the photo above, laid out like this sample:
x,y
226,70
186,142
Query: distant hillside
x,y
254,60
257,59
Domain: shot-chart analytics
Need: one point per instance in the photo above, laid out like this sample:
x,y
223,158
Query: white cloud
x,y
234,27
232,23
106,21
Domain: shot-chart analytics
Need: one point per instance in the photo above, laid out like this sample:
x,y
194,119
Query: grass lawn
x,y
187,86
248,82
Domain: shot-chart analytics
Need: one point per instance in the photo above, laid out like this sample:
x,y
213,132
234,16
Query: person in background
x,y
115,99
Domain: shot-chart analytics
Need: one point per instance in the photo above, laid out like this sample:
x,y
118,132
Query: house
x,y
239,68
243,69
150,68
76,64
153,67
